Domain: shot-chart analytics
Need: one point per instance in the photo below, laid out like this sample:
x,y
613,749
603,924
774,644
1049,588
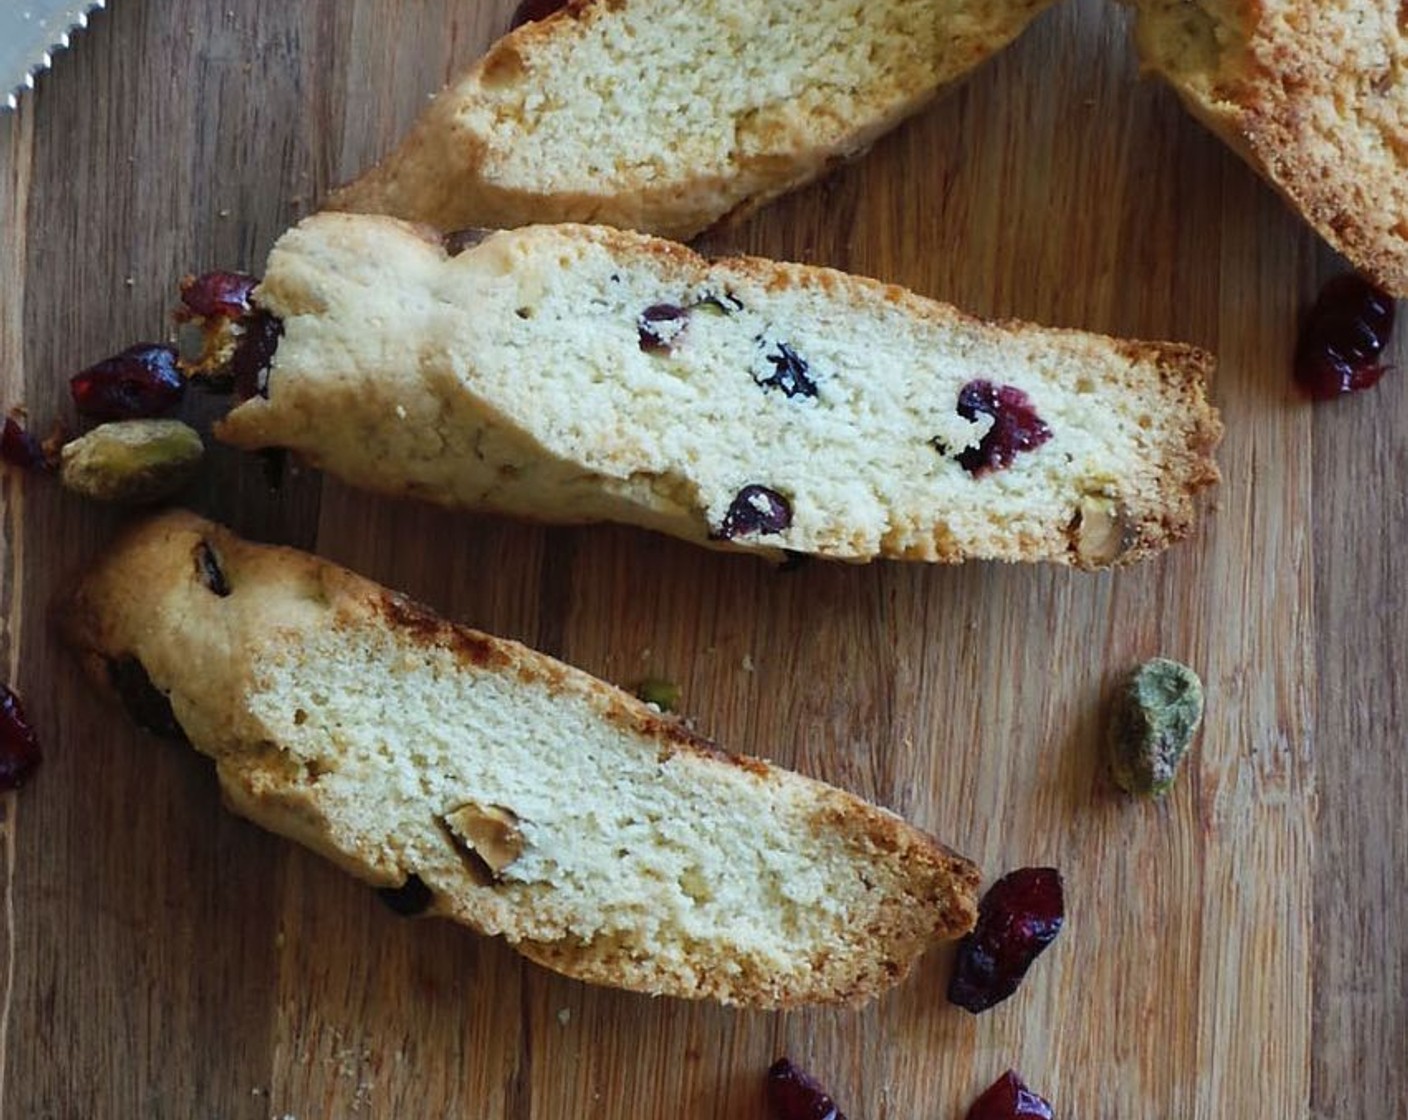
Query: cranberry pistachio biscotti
x,y
665,116
1314,95
505,790
575,373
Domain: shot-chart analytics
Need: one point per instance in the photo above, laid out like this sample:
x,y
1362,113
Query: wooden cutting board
x,y
1240,950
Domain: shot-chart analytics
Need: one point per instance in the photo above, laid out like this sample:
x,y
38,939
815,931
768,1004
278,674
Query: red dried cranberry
x,y
660,326
795,1095
790,372
1015,427
20,449
1009,1099
254,353
19,746
1019,917
530,11
755,509
1342,338
141,381
214,294
409,899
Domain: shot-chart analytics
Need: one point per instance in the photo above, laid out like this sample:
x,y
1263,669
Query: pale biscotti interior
x,y
664,117
534,374
533,801
1314,93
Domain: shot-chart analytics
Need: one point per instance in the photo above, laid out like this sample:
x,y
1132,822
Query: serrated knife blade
x,y
30,32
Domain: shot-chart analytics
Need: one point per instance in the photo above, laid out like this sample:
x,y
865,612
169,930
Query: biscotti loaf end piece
x,y
532,801
1314,95
578,373
664,117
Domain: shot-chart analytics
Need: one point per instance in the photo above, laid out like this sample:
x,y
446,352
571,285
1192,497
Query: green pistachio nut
x,y
132,462
1157,713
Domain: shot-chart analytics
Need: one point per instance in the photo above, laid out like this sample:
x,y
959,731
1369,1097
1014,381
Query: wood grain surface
x,y
1240,950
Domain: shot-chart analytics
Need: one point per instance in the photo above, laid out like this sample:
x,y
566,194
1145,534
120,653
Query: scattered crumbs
x,y
908,743
224,213
645,654
747,663
257,1091
564,1016
709,651
129,281
400,412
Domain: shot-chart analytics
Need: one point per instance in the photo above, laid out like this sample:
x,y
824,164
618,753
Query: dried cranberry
x,y
795,1095
1019,917
409,899
1009,1099
20,449
216,294
1342,338
1015,427
790,373
254,353
149,707
660,326
530,11
141,381
755,509
19,746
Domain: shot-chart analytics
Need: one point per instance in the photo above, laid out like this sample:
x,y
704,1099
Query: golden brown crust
x,y
151,598
1312,94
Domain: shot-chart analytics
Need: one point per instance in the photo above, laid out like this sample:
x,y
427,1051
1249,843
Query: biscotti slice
x,y
511,792
664,116
576,373
1314,95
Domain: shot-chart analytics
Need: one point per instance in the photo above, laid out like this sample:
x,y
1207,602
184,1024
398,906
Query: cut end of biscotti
x,y
578,373
662,116
532,801
1314,95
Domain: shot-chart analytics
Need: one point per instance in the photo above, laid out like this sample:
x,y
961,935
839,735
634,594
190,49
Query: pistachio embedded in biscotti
x,y
491,832
1100,531
131,461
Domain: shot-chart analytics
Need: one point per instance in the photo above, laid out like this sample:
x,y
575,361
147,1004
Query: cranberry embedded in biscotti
x,y
1016,426
755,509
791,372
254,353
661,326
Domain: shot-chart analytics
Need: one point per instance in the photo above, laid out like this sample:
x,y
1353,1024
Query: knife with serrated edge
x,y
30,32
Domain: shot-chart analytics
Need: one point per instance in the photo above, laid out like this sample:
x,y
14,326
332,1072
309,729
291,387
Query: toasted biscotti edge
x,y
1262,91
105,620
436,174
